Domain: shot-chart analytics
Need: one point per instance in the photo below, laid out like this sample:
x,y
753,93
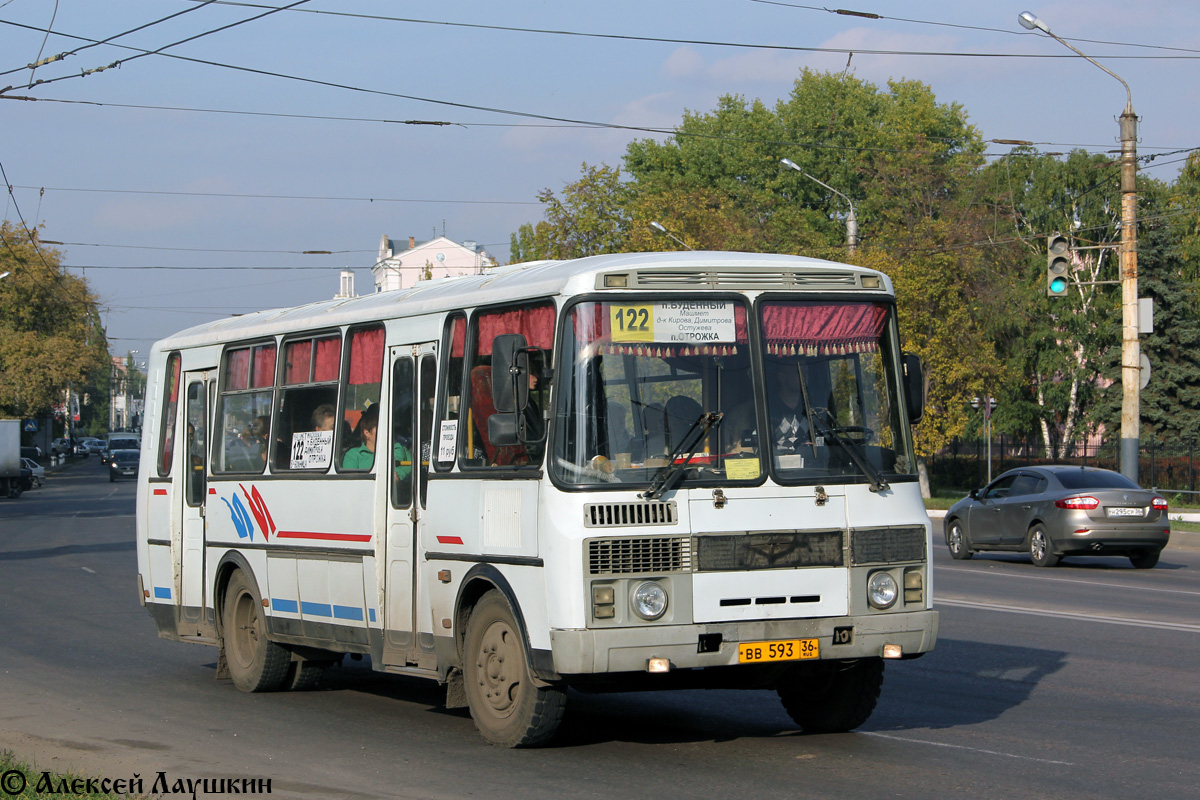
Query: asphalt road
x,y
1072,682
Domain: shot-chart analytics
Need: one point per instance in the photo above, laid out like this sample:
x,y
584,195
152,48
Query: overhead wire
x,y
61,56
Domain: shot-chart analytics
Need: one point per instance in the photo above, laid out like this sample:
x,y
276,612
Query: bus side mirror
x,y
914,387
510,374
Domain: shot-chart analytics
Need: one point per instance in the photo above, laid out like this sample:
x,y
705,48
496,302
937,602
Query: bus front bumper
x,y
630,649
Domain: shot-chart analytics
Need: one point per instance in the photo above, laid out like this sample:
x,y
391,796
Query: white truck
x,y
14,478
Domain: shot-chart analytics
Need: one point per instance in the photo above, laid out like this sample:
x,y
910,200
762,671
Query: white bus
x,y
621,472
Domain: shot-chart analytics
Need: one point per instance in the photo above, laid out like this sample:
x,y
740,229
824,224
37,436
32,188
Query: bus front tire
x,y
835,697
509,709
256,664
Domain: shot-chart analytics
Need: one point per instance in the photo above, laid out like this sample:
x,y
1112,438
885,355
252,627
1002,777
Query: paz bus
x,y
636,471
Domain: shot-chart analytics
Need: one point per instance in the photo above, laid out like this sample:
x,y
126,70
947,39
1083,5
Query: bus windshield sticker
x,y
689,322
312,449
447,440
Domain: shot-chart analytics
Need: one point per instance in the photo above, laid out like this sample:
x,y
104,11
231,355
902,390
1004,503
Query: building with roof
x,y
437,258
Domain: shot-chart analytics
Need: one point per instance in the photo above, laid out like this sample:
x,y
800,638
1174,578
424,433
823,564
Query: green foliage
x,y
50,335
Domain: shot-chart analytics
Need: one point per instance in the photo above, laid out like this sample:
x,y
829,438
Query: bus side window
x,y
536,324
450,401
166,445
307,406
247,392
361,391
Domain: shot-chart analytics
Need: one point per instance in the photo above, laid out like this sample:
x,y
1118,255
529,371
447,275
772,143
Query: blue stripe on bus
x,y
316,609
347,612
163,592
287,606
372,612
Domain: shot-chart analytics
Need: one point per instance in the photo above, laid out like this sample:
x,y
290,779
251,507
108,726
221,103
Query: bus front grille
x,y
768,550
885,545
764,278
639,554
619,515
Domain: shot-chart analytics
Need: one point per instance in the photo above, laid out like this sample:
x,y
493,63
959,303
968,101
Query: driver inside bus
x,y
789,423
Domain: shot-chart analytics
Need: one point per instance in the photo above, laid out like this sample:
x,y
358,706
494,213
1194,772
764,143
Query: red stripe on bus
x,y
212,490
160,491
449,540
337,537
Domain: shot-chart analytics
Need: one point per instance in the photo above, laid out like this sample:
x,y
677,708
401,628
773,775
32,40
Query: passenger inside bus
x,y
362,457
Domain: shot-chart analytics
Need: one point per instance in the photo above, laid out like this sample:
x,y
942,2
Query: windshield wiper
x,y
878,484
665,477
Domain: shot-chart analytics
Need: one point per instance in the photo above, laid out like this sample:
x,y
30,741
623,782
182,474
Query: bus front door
x,y
194,429
414,371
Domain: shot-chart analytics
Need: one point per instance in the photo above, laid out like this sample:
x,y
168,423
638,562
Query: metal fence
x,y
963,465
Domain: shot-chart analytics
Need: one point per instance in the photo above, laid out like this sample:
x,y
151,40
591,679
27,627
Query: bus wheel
x,y
508,708
256,664
303,675
838,696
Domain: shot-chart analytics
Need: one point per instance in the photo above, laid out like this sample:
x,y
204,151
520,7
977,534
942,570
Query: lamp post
x,y
1130,346
658,227
851,219
987,403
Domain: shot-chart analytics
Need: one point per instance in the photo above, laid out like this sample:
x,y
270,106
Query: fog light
x,y
603,602
893,651
658,665
882,590
649,600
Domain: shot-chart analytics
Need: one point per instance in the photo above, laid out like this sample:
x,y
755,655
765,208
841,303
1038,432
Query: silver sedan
x,y
1055,511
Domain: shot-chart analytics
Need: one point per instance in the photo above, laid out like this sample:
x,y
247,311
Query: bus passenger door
x,y
412,389
192,472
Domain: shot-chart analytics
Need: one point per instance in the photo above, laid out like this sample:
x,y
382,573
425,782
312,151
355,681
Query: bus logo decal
x,y
241,517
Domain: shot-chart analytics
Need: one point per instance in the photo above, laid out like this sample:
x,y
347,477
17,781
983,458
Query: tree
x,y
50,336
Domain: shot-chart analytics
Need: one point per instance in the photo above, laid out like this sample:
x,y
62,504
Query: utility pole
x,y
1130,345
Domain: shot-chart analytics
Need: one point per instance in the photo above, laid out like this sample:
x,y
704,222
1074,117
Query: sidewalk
x,y
1180,540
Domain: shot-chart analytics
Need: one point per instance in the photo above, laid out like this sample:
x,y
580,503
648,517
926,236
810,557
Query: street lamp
x,y
655,224
1130,347
987,403
851,219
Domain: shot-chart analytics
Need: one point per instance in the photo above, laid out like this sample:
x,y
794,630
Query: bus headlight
x,y
882,590
649,600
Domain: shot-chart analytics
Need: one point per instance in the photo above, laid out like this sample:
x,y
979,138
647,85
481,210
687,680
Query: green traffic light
x,y
1058,286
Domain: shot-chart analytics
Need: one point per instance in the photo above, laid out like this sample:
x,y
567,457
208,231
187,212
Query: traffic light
x,y
1058,248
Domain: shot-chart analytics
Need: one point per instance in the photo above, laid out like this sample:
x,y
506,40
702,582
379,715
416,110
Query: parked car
x,y
1055,511
61,447
123,464
31,452
90,446
36,471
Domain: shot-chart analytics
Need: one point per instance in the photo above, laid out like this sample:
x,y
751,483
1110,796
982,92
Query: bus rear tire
x,y
838,696
509,709
256,664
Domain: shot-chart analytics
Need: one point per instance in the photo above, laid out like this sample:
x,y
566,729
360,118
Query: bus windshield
x,y
639,376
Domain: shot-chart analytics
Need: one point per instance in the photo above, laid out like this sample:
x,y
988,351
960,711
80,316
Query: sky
x,y
187,179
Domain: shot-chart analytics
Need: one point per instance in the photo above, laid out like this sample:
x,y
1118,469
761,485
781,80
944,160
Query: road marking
x,y
1040,612
964,747
1083,581
88,569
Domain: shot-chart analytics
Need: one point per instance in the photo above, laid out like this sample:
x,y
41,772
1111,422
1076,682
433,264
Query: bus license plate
x,y
786,650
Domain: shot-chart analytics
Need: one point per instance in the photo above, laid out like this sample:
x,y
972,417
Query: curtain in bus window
x,y
822,328
167,443
535,324
264,366
366,357
237,369
328,356
297,358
